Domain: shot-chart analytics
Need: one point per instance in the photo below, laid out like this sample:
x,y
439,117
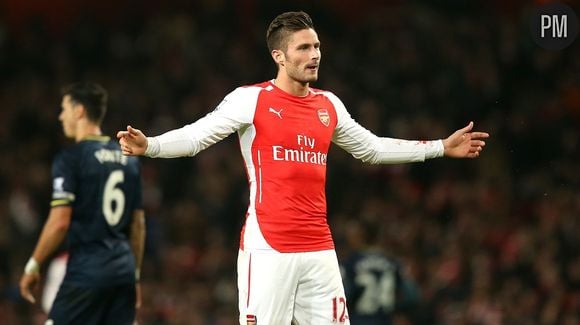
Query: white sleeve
x,y
364,145
234,112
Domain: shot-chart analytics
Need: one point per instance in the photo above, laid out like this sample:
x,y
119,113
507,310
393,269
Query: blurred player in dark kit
x,y
374,282
97,206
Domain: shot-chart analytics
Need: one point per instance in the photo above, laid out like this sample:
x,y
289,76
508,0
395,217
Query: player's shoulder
x,y
321,92
95,143
318,91
326,95
246,94
260,85
266,85
101,148
66,156
77,150
248,91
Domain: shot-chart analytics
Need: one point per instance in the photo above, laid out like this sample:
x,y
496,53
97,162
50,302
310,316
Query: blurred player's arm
x,y
138,245
53,234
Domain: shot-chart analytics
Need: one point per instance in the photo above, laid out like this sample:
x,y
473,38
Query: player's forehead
x,y
303,36
66,101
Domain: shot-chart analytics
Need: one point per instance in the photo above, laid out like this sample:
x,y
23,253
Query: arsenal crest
x,y
323,116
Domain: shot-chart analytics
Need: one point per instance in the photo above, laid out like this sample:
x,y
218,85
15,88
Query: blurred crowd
x,y
489,241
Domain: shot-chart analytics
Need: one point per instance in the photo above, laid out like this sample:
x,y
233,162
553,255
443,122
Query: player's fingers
x,y
132,131
479,135
125,142
467,128
126,149
473,154
121,134
473,150
475,147
26,293
463,134
29,297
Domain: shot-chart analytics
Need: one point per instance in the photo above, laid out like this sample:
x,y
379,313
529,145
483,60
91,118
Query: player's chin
x,y
311,78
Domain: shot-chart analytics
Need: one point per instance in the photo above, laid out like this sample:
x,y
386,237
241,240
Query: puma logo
x,y
278,113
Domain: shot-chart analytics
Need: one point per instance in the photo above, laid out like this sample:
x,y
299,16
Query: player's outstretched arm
x,y
464,143
133,142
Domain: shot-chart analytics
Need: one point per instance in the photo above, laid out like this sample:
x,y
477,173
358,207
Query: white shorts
x,y
290,288
54,276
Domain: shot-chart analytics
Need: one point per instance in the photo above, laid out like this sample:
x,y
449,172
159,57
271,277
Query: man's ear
x,y
278,57
80,111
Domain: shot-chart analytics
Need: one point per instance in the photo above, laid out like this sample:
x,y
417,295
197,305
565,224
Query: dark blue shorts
x,y
80,305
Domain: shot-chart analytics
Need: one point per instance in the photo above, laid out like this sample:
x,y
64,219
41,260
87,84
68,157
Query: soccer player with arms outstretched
x,y
96,205
287,267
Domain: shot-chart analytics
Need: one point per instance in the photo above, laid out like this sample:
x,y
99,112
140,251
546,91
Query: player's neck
x,y
88,130
291,86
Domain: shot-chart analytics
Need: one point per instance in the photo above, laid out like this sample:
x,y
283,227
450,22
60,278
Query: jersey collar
x,y
102,138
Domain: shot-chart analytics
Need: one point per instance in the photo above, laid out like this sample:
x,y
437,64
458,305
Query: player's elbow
x,y
371,153
368,156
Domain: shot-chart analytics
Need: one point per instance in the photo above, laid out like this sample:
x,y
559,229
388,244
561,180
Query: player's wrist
x,y
435,149
32,266
152,147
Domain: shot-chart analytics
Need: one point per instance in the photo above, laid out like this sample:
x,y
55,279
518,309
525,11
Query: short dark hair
x,y
285,24
92,96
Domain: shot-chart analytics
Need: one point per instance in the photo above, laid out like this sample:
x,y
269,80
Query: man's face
x,y
302,57
68,116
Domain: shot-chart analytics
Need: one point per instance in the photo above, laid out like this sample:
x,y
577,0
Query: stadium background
x,y
487,240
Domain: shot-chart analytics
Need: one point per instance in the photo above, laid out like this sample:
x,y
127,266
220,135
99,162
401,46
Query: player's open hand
x,y
133,142
464,143
29,284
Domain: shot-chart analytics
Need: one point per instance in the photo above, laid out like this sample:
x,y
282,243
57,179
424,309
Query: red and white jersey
x,y
284,140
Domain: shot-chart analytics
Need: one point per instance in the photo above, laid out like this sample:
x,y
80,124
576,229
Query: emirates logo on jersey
x,y
324,117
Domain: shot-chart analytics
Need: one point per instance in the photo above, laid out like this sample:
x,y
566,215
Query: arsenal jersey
x,y
284,141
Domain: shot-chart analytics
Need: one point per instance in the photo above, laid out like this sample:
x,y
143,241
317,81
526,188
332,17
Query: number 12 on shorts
x,y
338,309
